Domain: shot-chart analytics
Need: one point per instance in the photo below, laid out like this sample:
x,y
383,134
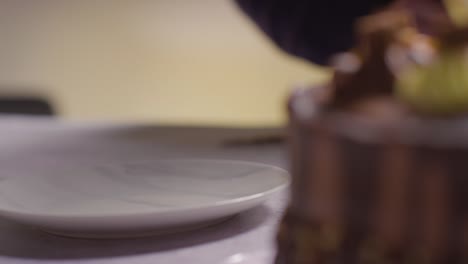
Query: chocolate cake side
x,y
380,195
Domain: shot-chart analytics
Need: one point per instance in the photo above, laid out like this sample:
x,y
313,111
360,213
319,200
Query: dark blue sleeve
x,y
311,29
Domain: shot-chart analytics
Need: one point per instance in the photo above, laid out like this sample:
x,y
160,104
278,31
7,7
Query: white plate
x,y
135,198
261,257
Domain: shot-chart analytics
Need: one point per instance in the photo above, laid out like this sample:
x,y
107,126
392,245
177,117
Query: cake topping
x,y
440,87
427,74
364,71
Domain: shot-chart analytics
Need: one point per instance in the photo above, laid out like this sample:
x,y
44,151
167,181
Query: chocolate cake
x,y
374,180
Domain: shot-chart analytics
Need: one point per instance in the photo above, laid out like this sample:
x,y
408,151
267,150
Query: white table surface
x,y
250,234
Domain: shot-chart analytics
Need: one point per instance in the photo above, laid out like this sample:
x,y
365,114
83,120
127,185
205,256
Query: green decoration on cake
x,y
440,88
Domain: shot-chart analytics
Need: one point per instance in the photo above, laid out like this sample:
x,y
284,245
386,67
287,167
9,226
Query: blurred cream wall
x,y
171,61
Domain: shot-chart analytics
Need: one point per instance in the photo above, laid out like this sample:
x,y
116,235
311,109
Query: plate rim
x,y
80,216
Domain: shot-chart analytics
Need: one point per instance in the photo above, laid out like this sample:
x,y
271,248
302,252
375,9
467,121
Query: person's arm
x,y
311,29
